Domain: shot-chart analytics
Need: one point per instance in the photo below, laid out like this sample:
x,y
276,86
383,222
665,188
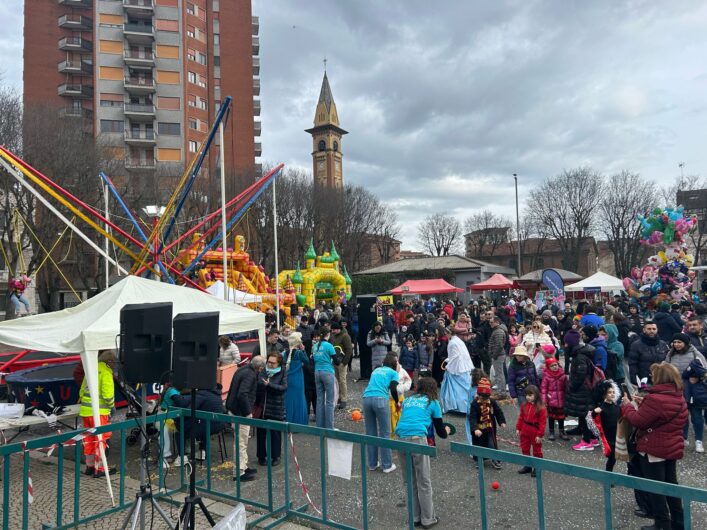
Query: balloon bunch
x,y
667,275
665,226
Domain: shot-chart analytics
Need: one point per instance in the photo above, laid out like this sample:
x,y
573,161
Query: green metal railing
x,y
605,478
280,509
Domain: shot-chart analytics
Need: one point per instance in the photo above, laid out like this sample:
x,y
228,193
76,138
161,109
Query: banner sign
x,y
592,290
386,299
552,280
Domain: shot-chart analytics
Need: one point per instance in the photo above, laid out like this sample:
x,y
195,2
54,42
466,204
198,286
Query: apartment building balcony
x,y
75,67
146,138
256,86
256,65
258,149
139,8
77,22
135,163
256,25
139,86
140,112
76,3
256,107
257,128
75,91
75,44
139,59
256,45
74,112
141,34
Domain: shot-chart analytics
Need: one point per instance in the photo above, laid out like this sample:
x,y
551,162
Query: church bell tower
x,y
326,141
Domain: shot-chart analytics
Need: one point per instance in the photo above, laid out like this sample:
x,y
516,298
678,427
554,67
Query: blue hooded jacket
x,y
617,347
600,354
695,393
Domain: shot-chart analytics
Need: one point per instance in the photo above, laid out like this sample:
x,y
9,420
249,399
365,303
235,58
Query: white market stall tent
x,y
234,295
95,324
606,282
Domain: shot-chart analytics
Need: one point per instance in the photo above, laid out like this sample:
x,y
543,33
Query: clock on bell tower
x,y
326,141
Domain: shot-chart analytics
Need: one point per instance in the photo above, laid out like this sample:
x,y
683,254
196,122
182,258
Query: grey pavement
x,y
569,502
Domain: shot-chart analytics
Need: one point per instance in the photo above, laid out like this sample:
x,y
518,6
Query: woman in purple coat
x,y
521,373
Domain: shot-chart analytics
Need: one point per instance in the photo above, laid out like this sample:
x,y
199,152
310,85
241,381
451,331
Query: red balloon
x,y
495,485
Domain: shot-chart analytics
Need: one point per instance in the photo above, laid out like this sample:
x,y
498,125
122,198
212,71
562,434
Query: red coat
x,y
553,388
531,421
659,420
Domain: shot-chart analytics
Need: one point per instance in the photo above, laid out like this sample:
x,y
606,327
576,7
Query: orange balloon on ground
x,y
356,415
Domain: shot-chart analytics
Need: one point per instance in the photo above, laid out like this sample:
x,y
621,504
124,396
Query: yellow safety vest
x,y
106,393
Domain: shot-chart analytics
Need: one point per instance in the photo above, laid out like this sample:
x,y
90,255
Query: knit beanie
x,y
484,387
549,349
664,307
591,332
551,361
546,313
572,338
682,337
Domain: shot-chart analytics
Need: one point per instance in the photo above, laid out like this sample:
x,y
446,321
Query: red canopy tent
x,y
437,286
495,282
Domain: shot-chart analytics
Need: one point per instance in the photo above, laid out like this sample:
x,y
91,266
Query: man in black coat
x,y
697,335
240,402
648,349
272,343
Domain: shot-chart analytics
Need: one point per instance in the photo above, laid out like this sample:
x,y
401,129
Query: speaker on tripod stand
x,y
194,360
145,349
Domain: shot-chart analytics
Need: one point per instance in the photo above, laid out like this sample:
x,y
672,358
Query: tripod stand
x,y
145,494
186,516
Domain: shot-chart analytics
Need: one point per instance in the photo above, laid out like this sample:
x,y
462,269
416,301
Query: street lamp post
x,y
519,267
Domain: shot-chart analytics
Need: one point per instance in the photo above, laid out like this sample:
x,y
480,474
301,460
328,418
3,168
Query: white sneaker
x,y
392,468
181,461
699,448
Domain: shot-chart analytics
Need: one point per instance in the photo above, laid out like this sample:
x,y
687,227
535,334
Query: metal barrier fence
x,y
281,510
605,478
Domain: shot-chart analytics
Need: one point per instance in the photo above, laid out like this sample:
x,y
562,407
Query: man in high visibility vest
x,y
106,401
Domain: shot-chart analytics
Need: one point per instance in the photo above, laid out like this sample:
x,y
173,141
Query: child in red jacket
x,y
531,426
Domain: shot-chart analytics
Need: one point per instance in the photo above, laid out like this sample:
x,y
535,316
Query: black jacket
x,y
241,394
644,352
667,326
272,395
206,400
579,396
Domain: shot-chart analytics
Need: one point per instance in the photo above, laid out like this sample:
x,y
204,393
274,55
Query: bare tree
x,y
566,207
626,196
439,234
485,232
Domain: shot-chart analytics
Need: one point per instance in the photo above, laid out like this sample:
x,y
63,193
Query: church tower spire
x,y
326,140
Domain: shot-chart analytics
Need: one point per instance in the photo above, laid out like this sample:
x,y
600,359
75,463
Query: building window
x,y
217,39
201,58
169,129
190,31
540,263
194,124
191,9
322,145
201,104
193,146
112,126
216,5
191,54
217,60
191,76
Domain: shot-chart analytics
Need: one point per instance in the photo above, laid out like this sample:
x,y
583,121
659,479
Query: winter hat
x,y
591,332
546,313
549,349
484,387
664,307
571,338
551,361
682,337
520,350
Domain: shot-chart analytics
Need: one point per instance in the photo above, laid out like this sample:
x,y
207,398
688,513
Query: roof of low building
x,y
452,262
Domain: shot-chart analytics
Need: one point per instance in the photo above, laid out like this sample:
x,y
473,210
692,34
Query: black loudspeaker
x,y
366,318
145,341
195,350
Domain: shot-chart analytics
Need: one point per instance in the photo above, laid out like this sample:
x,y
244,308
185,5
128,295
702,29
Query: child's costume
x,y
484,416
605,423
531,424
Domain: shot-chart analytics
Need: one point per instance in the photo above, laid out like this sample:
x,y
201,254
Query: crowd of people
x,y
629,376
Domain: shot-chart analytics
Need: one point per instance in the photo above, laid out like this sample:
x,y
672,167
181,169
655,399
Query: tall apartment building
x,y
149,76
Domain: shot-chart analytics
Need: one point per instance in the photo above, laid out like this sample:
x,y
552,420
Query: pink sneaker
x,y
594,442
583,446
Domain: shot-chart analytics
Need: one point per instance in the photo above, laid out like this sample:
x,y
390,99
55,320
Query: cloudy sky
x,y
444,101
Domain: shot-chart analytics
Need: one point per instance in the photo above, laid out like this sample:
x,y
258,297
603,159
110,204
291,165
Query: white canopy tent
x,y
95,324
234,295
606,282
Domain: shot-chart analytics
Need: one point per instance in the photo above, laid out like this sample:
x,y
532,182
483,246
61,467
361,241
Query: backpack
x,y
612,364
